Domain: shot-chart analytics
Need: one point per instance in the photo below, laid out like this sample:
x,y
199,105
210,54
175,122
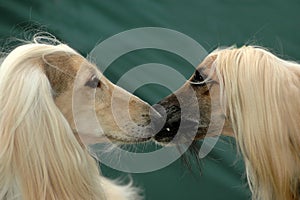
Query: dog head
x,y
95,108
258,94
205,86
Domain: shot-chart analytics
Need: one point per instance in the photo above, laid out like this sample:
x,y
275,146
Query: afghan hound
x,y
259,98
42,153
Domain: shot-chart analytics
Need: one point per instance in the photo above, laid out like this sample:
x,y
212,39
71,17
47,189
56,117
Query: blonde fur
x,y
262,96
40,157
260,104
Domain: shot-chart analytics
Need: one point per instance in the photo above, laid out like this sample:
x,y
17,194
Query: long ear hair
x,y
262,95
40,157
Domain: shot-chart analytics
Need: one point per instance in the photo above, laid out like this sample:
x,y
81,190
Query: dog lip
x,y
125,139
165,141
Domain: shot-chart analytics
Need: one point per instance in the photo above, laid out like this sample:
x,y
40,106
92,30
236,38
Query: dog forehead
x,y
68,64
63,62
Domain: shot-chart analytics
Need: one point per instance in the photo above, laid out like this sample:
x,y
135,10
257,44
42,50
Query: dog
x,y
258,96
44,129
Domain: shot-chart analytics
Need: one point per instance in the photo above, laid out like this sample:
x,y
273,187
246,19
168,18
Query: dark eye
x,y
94,82
197,77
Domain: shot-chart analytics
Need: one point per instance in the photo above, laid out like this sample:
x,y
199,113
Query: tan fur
x,y
40,157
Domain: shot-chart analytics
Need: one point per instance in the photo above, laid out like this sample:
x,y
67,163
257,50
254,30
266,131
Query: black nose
x,y
166,127
170,127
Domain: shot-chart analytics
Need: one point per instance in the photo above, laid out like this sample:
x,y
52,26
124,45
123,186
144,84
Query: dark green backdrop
x,y
82,24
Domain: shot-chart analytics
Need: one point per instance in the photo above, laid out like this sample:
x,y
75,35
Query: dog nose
x,y
169,128
166,127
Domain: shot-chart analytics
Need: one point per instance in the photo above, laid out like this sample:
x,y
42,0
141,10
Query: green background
x,y
83,24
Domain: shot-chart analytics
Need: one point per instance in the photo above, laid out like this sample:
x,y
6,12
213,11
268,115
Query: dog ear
x,y
59,68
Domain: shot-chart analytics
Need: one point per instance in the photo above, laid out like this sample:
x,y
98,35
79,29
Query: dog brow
x,y
201,70
60,61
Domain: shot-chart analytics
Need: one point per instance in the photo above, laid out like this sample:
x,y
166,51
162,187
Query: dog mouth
x,y
126,139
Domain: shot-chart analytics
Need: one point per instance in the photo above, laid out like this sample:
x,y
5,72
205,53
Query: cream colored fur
x,y
40,157
262,98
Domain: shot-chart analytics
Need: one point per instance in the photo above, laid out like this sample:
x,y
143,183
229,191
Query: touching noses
x,y
166,126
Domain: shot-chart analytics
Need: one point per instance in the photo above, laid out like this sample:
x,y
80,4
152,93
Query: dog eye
x,y
94,82
197,77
